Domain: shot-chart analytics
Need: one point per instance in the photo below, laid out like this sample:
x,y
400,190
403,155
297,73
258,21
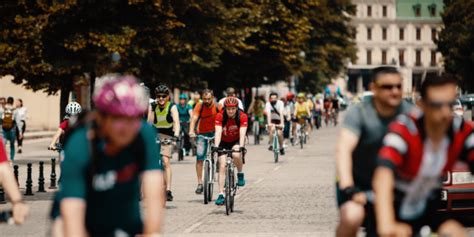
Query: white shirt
x,y
241,105
279,106
22,113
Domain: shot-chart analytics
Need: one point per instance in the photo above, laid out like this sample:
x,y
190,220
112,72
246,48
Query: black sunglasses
x,y
441,104
390,86
161,96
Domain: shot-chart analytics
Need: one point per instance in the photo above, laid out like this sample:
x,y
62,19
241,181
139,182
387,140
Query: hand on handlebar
x,y
20,212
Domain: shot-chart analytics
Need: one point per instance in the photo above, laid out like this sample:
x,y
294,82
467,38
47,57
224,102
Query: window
x,y
369,33
384,56
432,10
417,9
401,57
418,34
369,57
402,34
384,33
384,11
433,58
369,11
418,58
433,34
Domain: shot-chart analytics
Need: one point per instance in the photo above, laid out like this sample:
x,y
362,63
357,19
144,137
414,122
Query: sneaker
x,y
270,148
282,151
240,179
199,189
220,200
169,196
19,150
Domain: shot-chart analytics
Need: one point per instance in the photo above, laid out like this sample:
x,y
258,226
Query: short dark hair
x,y
10,100
273,93
434,80
379,71
207,91
230,90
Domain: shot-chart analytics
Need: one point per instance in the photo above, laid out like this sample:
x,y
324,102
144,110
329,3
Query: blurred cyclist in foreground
x,y
107,159
359,141
418,151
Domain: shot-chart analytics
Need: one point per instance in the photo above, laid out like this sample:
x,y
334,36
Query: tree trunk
x,y
64,100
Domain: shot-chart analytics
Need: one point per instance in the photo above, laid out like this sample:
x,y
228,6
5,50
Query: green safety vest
x,y
162,118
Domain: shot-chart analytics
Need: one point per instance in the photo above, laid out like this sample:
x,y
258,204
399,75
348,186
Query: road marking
x,y
191,228
259,181
277,168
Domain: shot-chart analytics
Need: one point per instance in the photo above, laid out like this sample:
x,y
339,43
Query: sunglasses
x,y
440,104
390,86
161,96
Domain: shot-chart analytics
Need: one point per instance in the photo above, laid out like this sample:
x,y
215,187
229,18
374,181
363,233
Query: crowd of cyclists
x,y
390,156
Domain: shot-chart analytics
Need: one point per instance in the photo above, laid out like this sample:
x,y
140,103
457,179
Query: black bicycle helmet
x,y
162,89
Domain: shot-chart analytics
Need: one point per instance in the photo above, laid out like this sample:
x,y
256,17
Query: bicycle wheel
x,y
206,181
181,154
301,141
233,192
275,148
228,190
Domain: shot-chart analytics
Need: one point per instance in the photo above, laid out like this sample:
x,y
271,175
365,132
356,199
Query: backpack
x,y
8,123
202,108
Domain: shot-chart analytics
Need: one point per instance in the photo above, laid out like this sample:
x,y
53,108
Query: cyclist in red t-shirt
x,y
8,182
231,127
73,109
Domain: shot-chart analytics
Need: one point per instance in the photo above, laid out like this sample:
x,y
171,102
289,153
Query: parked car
x,y
467,100
458,108
457,194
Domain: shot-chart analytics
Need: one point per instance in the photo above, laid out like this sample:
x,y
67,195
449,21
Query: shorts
x,y
227,146
166,150
201,146
369,221
276,121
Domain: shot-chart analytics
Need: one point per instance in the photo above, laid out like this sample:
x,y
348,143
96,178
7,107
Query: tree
x,y
456,41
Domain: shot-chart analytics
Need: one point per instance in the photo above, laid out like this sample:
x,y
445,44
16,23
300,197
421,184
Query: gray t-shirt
x,y
364,121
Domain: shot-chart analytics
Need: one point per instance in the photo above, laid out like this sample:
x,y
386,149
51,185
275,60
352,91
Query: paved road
x,y
292,198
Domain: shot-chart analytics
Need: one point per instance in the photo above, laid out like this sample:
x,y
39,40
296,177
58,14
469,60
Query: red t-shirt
x,y
3,154
64,124
208,118
231,132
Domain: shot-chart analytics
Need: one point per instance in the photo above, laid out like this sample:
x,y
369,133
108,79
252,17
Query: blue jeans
x,y
201,146
10,136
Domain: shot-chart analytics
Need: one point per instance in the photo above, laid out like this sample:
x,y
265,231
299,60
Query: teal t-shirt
x,y
113,198
183,111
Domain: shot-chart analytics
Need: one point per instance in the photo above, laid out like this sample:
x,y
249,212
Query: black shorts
x,y
227,146
276,121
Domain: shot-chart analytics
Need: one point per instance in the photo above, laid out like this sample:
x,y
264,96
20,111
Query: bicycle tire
x,y
301,141
228,190
275,148
206,182
181,154
232,192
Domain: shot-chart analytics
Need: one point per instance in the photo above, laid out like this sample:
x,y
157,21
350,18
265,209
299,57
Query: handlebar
x,y
6,217
57,147
206,138
168,140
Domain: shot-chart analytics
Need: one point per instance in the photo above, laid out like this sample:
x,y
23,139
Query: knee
x,y
352,215
451,228
166,162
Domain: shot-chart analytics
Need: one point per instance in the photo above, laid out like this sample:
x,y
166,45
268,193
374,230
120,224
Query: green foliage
x,y
185,43
456,41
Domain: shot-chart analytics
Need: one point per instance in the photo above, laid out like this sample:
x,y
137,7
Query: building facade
x,y
400,33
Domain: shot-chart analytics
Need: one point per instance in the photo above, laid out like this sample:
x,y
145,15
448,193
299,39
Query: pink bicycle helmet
x,y
121,95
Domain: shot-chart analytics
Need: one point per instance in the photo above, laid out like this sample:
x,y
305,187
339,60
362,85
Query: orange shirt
x,y
207,118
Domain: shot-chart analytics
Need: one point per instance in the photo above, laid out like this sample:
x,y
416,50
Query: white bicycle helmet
x,y
73,108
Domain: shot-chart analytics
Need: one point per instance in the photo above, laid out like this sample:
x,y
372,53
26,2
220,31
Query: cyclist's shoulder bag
x,y
274,109
8,121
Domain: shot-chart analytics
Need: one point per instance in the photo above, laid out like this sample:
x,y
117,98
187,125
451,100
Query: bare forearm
x,y
344,166
192,124
217,139
73,213
154,197
8,182
243,131
383,183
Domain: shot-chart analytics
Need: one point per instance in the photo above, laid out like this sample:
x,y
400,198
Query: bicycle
x,y
301,132
209,170
230,183
181,148
256,131
59,148
276,142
